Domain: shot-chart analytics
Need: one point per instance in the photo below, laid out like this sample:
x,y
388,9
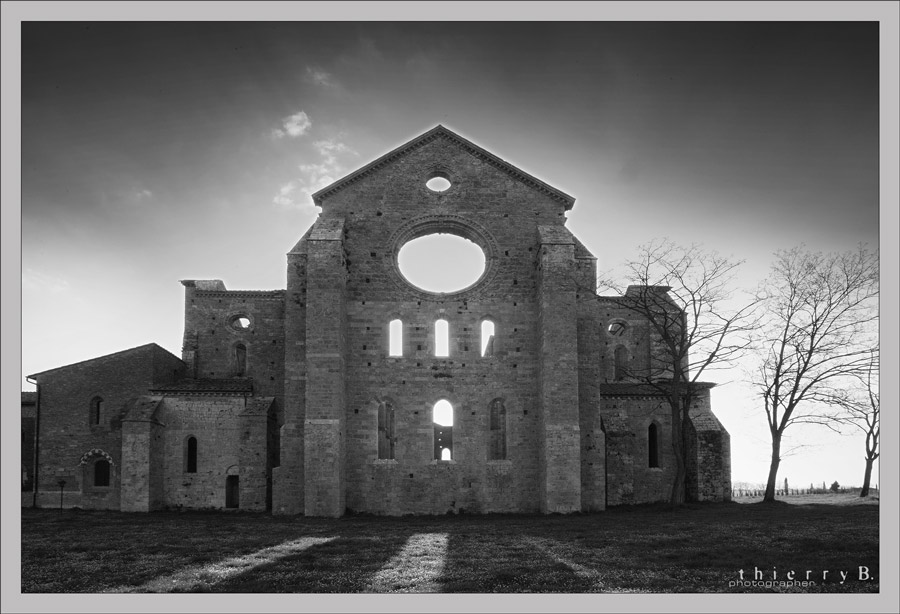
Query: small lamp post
x,y
62,484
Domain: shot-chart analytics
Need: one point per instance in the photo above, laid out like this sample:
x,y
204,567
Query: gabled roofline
x,y
106,356
437,132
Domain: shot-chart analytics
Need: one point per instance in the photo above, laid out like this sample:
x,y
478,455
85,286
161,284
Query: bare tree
x,y
686,295
819,319
862,405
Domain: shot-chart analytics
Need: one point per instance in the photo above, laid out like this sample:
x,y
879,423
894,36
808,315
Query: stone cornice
x,y
258,294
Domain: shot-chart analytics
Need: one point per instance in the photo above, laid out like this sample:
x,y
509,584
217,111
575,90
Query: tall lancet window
x,y
240,360
442,417
395,338
441,338
487,338
653,445
621,362
385,431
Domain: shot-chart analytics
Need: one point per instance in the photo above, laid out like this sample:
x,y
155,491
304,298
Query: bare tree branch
x,y
820,325
686,297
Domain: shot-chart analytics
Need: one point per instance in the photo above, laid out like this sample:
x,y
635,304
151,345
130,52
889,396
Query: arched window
x,y
621,362
101,473
487,338
395,338
386,430
653,445
498,430
443,430
240,360
441,338
190,455
96,411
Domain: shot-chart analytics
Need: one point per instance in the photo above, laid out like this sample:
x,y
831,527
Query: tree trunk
x,y
677,497
773,468
867,479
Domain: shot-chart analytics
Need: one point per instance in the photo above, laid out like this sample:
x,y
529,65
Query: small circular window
x,y
240,322
617,329
438,183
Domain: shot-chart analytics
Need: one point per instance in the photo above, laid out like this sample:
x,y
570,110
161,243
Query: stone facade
x,y
290,400
29,403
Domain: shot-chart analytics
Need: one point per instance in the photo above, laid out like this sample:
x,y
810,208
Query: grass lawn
x,y
642,549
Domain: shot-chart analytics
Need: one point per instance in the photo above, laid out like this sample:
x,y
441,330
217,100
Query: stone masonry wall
x,y
217,425
709,455
630,479
287,477
380,212
210,326
66,431
27,453
558,372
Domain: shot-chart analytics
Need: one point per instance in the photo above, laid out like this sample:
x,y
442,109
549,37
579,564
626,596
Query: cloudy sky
x,y
154,152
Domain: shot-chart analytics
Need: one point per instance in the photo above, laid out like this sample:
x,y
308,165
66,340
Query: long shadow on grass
x,y
510,562
345,564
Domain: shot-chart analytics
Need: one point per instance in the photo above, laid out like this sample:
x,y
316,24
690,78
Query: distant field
x,y
823,499
643,549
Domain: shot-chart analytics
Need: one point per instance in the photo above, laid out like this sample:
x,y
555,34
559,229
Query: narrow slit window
x,y
96,411
190,463
240,360
498,430
395,338
441,338
443,430
487,338
653,445
621,362
385,431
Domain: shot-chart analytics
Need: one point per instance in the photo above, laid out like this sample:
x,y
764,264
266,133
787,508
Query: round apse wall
x,y
443,255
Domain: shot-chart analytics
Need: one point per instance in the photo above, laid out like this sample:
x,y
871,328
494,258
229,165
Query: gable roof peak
x,y
437,132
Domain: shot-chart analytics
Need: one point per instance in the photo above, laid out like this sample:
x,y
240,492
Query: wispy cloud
x,y
319,77
329,149
293,126
314,175
42,282
284,198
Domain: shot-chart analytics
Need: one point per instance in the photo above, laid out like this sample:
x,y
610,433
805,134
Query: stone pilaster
x,y
558,372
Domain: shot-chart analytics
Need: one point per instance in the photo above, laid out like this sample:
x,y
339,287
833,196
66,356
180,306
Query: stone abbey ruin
x,y
329,396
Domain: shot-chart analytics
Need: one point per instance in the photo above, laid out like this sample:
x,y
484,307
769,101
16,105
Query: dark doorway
x,y
232,491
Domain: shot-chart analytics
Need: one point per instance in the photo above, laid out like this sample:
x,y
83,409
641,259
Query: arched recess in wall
x,y
97,468
239,356
102,470
442,416
497,449
386,430
653,445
